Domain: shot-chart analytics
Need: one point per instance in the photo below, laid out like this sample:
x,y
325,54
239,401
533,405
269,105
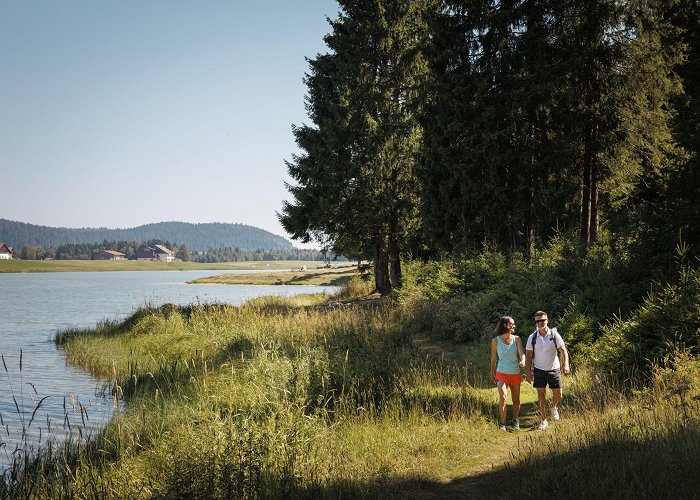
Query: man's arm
x,y
528,365
564,359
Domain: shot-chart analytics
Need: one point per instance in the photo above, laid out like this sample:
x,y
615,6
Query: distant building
x,y
5,251
108,255
156,252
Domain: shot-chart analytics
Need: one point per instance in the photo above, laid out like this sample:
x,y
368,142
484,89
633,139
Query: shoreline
x,y
53,266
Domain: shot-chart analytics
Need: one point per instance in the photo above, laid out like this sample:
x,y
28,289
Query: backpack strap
x,y
552,332
554,337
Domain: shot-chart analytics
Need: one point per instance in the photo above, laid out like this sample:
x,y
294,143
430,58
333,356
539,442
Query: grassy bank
x,y
49,266
336,276
297,398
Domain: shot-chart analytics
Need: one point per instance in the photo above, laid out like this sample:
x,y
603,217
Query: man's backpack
x,y
534,335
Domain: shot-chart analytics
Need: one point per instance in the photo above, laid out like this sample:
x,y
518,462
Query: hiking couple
x,y
508,356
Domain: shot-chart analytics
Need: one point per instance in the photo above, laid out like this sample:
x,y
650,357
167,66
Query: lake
x,y
34,306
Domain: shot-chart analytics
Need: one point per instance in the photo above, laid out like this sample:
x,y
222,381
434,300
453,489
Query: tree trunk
x,y
529,215
381,270
593,225
584,228
395,263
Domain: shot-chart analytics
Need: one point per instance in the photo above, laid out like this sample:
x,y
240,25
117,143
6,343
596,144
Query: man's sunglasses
x,y
540,320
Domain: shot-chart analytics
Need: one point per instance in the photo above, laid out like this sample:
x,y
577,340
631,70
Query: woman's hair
x,y
502,325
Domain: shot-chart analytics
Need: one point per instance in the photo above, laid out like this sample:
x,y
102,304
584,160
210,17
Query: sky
x,y
118,113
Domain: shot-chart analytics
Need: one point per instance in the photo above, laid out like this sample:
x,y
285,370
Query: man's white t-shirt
x,y
546,349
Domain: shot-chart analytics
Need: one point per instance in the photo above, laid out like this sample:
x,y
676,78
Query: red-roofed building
x,y
156,252
108,255
5,251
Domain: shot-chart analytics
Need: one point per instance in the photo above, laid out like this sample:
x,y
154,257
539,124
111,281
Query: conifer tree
x,y
356,188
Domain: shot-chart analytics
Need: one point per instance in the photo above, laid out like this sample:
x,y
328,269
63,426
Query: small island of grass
x,y
334,276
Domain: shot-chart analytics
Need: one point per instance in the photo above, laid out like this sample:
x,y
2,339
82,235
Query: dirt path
x,y
481,480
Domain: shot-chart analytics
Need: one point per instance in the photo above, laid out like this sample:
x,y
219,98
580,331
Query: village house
x,y
156,252
5,251
108,255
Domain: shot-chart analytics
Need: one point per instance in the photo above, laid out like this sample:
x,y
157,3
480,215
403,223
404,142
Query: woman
x,y
507,357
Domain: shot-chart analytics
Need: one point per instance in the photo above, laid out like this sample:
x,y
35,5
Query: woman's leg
x,y
515,394
502,395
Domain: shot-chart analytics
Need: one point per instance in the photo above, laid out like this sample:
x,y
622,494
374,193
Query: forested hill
x,y
199,237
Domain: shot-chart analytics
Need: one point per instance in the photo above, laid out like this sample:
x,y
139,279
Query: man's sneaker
x,y
502,427
543,426
516,424
554,413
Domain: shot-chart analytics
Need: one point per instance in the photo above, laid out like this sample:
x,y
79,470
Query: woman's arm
x,y
521,351
494,359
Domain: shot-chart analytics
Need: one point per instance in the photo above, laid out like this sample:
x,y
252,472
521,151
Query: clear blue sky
x,y
117,113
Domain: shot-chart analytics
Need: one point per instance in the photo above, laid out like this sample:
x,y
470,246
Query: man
x,y
543,345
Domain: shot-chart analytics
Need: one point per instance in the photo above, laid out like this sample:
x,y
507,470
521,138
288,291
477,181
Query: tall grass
x,y
276,397
642,446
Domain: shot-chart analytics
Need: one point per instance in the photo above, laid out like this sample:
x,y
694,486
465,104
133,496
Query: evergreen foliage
x,y
506,124
356,187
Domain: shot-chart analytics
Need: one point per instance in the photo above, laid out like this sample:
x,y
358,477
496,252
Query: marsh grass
x,y
272,398
38,455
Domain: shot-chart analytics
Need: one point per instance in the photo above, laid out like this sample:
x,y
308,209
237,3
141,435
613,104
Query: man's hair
x,y
541,313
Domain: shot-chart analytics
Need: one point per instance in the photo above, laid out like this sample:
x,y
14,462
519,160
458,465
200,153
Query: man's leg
x,y
542,398
556,397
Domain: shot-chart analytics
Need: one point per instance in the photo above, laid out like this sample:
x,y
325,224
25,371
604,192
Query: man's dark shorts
x,y
544,378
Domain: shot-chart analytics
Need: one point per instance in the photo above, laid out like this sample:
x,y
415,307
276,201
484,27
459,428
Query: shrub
x,y
667,318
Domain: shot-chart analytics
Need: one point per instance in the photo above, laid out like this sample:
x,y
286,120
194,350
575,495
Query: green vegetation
x,y
449,126
305,398
47,266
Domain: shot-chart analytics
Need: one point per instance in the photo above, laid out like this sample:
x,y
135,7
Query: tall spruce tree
x,y
663,208
491,154
617,62
356,189
530,101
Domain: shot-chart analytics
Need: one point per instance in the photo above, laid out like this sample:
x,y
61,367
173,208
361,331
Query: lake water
x,y
33,306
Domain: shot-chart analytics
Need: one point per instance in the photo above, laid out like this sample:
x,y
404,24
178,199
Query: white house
x,y
156,252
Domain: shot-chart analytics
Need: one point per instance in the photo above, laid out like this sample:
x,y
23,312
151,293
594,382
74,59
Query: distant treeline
x,y
86,251
199,237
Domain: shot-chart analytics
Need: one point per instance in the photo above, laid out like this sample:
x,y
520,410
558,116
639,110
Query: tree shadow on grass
x,y
663,467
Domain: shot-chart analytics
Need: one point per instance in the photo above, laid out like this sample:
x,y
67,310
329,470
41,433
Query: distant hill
x,y
199,237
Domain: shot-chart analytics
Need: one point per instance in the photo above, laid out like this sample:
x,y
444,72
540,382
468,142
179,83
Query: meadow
x,y
310,398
